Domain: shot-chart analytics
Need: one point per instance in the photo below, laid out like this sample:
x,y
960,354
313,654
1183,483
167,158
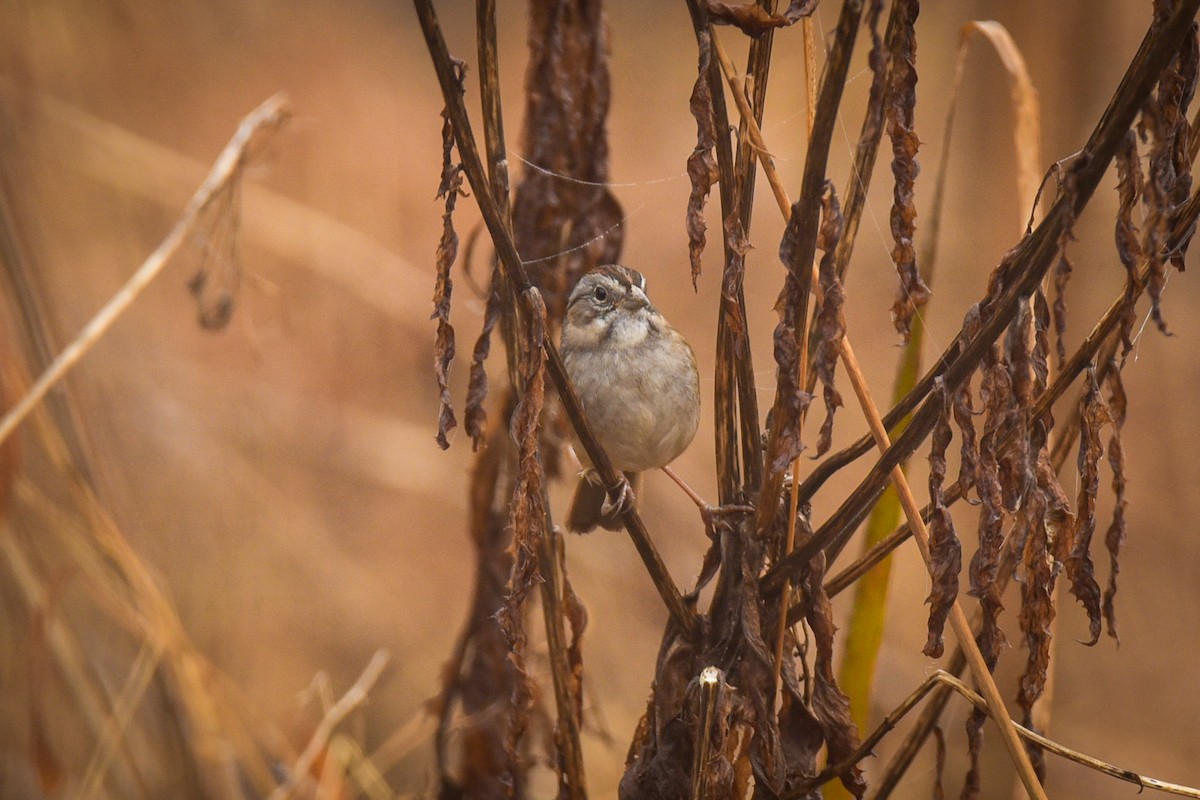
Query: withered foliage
x,y
945,551
564,222
749,744
577,617
1168,182
963,406
475,413
1062,276
527,519
792,306
1093,414
1046,524
449,190
756,723
661,753
996,395
830,324
754,19
1114,538
565,219
218,276
902,102
1129,243
879,58
479,676
702,163
830,706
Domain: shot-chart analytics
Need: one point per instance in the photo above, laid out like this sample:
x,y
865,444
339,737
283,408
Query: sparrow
x,y
636,377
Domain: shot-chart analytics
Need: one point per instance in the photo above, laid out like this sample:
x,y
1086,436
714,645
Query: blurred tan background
x,y
281,476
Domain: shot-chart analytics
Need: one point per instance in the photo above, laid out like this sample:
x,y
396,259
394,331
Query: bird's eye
x,y
601,294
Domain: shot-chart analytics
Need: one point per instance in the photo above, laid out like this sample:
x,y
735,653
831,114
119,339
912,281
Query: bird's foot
x,y
617,499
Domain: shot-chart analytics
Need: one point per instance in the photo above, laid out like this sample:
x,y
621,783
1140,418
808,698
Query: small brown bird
x,y
637,380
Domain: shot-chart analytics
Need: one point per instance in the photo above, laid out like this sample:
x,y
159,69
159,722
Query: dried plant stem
x,y
868,744
213,736
1100,346
758,148
514,272
1102,336
753,131
941,678
959,622
1031,260
497,161
807,28
270,115
805,240
710,685
958,619
734,373
550,564
1130,776
90,695
351,700
137,682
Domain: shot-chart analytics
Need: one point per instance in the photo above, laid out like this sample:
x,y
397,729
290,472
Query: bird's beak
x,y
635,300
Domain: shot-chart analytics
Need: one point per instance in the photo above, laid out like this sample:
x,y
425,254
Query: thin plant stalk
x,y
551,587
227,169
514,271
958,619
942,679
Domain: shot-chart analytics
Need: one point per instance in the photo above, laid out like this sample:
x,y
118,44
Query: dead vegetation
x,y
725,718
745,698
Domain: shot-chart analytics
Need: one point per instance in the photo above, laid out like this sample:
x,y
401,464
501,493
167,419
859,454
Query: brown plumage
x,y
636,378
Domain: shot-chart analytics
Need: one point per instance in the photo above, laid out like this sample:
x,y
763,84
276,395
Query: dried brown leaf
x,y
830,705
945,551
1044,528
1017,457
215,283
475,415
913,293
1114,539
830,326
972,782
1039,360
964,413
1062,276
1129,244
753,20
449,190
739,627
1164,123
714,721
1093,414
792,307
995,394
577,617
527,518
565,219
1037,608
660,756
702,163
